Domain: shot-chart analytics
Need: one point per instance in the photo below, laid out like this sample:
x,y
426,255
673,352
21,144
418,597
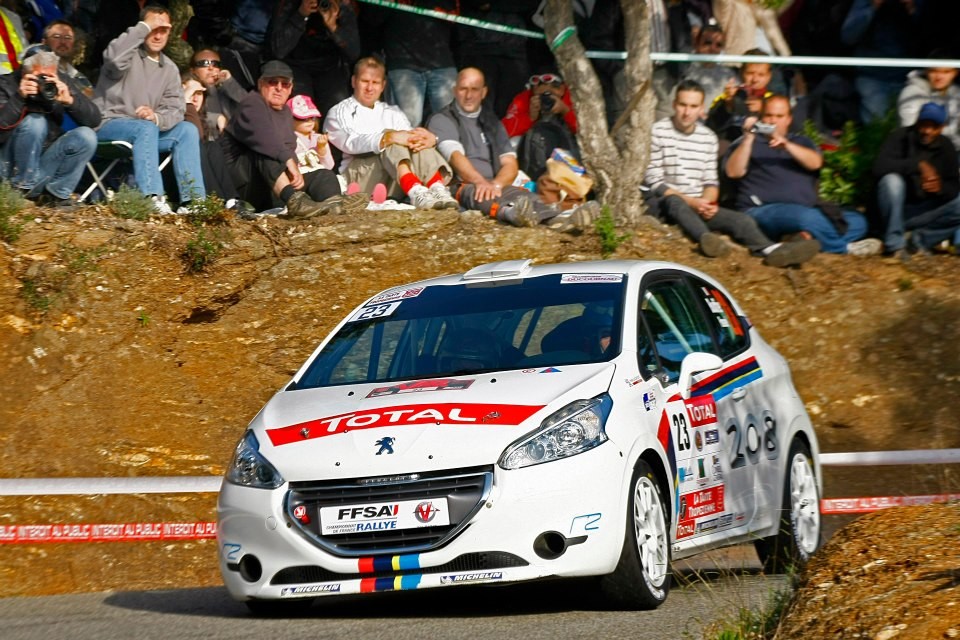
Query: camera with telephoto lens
x,y
47,90
323,5
763,128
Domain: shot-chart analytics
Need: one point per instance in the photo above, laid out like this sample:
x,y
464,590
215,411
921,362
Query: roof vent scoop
x,y
502,269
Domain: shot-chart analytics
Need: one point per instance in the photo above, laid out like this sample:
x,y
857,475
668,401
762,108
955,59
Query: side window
x,y
676,326
727,326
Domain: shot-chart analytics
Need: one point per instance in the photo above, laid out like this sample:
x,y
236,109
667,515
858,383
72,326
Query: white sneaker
x,y
423,198
160,205
443,196
865,247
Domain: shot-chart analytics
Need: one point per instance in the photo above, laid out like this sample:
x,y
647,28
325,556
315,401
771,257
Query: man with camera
x,y
543,116
683,186
36,155
775,175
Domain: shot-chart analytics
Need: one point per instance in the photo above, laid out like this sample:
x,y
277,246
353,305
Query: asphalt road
x,y
549,611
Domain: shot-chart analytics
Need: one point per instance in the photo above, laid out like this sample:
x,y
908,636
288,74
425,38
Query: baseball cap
x,y
933,112
303,107
276,69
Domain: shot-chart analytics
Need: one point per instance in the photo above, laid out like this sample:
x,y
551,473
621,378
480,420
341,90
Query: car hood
x,y
387,428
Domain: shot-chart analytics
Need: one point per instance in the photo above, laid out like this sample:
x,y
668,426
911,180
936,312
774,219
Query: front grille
x,y
464,489
482,561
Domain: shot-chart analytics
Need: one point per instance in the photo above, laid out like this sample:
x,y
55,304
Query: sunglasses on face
x,y
546,78
208,63
279,82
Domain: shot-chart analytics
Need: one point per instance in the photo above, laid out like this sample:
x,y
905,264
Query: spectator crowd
x,y
317,107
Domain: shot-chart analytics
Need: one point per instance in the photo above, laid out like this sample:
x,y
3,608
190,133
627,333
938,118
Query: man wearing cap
x,y
775,176
36,155
140,96
918,189
380,146
259,142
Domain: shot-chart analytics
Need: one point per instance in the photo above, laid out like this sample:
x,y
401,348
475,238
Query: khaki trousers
x,y
369,169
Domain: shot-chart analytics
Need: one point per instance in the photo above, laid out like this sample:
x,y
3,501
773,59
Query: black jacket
x,y
13,108
308,42
902,152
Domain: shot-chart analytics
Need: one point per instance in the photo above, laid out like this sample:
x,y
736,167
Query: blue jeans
x,y
876,96
182,141
410,89
929,225
780,218
58,168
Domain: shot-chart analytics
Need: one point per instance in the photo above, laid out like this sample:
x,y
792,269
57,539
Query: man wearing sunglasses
x,y
222,92
141,99
540,119
260,142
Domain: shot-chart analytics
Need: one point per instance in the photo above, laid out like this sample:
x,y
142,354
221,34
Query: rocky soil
x,y
115,361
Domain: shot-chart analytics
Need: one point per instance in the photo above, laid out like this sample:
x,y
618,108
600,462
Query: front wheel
x,y
800,531
642,577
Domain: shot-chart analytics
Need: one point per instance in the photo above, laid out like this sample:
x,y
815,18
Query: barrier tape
x,y
882,458
838,506
128,532
805,61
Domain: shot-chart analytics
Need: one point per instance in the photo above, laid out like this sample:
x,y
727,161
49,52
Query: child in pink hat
x,y
313,152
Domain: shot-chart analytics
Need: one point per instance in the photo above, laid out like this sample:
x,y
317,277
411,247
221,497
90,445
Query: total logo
x,y
425,512
404,415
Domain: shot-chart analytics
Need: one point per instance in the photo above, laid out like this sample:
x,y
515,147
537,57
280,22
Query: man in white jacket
x,y
380,146
931,85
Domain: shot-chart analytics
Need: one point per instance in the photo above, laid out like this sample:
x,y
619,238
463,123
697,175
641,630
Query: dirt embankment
x,y
138,368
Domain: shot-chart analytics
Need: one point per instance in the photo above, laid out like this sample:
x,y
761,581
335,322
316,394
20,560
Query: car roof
x,y
507,270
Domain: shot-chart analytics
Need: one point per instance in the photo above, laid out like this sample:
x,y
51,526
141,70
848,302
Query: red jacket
x,y
518,122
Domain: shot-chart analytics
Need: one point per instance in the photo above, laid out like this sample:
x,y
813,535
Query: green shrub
x,y
201,252
751,624
129,203
54,280
11,208
607,230
846,176
209,210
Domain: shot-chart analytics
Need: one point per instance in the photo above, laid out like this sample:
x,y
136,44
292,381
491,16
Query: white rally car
x,y
520,422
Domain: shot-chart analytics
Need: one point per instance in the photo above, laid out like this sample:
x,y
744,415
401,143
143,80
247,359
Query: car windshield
x,y
435,331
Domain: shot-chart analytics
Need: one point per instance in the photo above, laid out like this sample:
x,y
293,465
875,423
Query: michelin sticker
x,y
312,588
472,577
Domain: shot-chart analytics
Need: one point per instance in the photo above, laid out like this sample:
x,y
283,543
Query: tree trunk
x,y
616,162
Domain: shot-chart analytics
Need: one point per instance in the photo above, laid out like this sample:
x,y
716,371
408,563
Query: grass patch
x,y
47,284
752,624
129,203
201,252
607,230
11,210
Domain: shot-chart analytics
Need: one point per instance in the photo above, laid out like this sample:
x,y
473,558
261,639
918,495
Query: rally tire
x,y
800,533
642,577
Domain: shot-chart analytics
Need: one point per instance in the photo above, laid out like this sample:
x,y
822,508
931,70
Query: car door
x,y
714,493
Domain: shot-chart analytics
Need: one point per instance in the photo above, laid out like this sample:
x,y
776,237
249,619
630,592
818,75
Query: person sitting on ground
x,y
140,97
313,152
935,84
683,181
775,177
380,146
36,155
475,144
919,188
540,119
259,141
222,92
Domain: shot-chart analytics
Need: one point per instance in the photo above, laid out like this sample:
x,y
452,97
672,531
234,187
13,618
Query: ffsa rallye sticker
x,y
409,514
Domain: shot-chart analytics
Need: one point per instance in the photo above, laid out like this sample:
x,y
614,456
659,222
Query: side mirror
x,y
693,363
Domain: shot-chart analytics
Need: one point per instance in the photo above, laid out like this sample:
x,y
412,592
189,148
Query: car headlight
x,y
575,428
250,469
